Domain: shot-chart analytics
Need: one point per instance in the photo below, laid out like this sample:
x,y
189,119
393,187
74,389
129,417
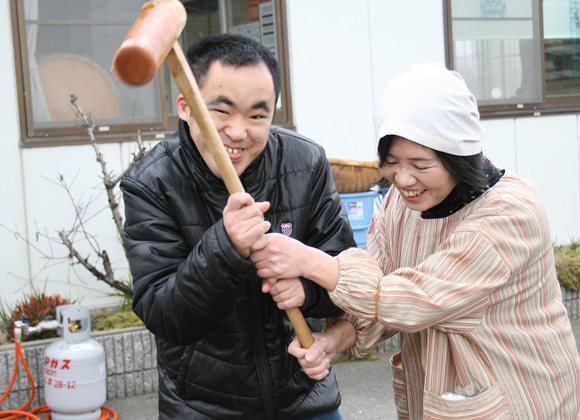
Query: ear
x,y
183,109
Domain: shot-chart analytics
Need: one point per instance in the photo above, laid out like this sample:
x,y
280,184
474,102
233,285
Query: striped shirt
x,y
477,301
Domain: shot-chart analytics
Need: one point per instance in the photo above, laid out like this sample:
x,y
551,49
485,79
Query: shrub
x,y
122,319
36,307
568,265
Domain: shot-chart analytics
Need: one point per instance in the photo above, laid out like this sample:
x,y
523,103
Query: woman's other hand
x,y
315,361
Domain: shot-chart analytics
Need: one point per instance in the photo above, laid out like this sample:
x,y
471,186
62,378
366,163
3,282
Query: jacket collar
x,y
252,178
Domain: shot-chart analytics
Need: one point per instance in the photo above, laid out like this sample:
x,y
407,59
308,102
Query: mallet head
x,y
149,41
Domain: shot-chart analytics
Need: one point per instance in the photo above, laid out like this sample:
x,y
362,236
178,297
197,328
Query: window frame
x,y
31,137
549,105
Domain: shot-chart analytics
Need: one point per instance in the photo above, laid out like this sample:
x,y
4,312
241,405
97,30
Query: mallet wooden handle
x,y
183,76
300,327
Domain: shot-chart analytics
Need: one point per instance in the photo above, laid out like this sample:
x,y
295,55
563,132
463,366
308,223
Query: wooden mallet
x,y
152,39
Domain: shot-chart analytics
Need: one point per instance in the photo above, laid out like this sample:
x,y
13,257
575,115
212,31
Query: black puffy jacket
x,y
221,342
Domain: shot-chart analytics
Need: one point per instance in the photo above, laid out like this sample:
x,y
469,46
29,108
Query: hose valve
x,y
47,324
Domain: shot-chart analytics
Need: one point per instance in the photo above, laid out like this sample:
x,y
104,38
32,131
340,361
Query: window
x,y
517,56
66,47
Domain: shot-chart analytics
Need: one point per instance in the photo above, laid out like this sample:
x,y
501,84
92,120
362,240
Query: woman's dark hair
x,y
468,171
232,50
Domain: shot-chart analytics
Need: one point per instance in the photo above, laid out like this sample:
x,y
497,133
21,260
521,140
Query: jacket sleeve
x,y
328,230
450,290
173,293
439,292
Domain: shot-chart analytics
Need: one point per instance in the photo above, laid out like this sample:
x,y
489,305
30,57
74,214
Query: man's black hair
x,y
232,50
468,171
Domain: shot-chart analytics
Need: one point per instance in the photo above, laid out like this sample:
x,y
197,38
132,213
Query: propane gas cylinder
x,y
75,384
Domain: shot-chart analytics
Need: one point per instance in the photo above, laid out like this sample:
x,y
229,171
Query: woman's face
x,y
417,173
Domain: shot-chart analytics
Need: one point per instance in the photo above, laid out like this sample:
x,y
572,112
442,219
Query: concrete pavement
x,y
366,389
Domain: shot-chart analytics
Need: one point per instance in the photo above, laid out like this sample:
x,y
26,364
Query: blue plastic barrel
x,y
359,208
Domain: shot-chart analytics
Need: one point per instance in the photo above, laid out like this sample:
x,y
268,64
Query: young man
x,y
221,342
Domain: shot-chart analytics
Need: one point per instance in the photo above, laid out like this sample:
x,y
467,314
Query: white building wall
x,y
547,155
500,143
331,75
14,272
396,40
341,57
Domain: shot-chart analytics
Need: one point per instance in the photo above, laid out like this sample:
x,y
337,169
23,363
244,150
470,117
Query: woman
x,y
459,261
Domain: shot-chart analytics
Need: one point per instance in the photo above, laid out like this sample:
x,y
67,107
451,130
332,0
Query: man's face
x,y
241,102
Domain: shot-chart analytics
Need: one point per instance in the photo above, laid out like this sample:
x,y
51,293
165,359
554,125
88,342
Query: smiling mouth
x,y
411,194
233,151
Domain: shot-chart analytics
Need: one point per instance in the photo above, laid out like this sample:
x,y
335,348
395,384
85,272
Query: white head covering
x,y
432,106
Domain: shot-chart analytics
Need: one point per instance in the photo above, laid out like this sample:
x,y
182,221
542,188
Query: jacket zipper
x,y
264,374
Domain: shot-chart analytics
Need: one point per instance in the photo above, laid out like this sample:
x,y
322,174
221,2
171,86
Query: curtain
x,y
40,112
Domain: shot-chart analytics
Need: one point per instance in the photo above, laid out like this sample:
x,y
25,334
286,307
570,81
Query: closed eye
x,y
219,111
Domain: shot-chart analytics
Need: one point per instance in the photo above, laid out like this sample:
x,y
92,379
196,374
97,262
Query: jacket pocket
x,y
400,387
183,370
488,404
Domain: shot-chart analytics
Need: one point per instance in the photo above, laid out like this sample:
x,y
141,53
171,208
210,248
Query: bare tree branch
x,y
18,235
107,277
79,212
78,233
89,124
141,151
